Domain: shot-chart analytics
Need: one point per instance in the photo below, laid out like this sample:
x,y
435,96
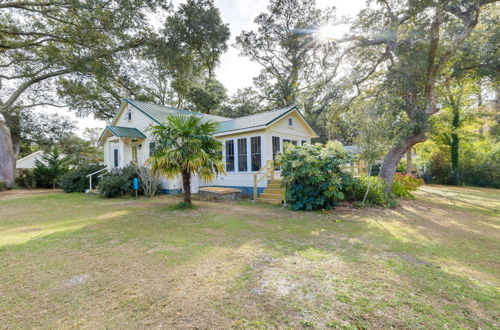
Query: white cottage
x,y
250,143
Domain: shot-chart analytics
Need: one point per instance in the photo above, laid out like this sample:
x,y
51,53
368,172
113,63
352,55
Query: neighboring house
x,y
248,142
28,162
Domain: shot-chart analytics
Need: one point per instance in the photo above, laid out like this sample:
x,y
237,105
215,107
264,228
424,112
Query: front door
x,y
115,157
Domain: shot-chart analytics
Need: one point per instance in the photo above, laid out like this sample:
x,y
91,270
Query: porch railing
x,y
91,174
358,168
265,171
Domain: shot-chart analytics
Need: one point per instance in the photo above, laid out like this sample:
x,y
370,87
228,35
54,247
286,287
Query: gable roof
x,y
158,113
128,132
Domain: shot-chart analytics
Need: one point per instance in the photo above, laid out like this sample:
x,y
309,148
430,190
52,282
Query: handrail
x,y
90,177
102,169
270,171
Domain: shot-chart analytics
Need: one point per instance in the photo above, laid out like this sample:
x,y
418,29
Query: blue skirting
x,y
247,191
171,191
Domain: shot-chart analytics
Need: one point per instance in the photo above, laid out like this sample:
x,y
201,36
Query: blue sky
x,y
235,71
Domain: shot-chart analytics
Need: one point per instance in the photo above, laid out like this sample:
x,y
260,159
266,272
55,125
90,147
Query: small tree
x,y
49,169
185,145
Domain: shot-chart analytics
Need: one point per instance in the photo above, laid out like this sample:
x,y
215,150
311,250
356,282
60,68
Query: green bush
x,y
49,169
377,195
76,180
312,175
479,165
119,182
26,179
404,184
2,186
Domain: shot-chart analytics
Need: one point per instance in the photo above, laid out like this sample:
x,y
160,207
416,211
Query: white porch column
x,y
121,153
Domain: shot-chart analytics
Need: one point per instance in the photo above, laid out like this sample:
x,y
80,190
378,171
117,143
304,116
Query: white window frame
x,y
249,152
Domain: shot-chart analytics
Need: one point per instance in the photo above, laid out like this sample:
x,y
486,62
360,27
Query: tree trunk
x,y
455,144
393,157
454,159
7,156
186,185
409,162
368,183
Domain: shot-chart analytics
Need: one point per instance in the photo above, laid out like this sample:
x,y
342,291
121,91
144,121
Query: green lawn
x,y
72,260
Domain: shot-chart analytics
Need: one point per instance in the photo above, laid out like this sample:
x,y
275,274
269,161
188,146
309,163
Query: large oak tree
x,y
404,48
45,43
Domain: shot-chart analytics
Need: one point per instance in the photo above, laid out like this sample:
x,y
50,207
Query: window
x,y
276,146
242,155
290,121
129,115
304,142
295,142
255,153
230,155
115,157
151,148
134,154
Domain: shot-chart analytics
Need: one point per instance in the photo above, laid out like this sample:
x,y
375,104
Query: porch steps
x,y
274,193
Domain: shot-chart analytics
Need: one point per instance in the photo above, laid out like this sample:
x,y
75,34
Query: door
x,y
115,157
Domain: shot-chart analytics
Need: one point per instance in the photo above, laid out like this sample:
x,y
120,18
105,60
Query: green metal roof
x,y
258,120
159,113
128,132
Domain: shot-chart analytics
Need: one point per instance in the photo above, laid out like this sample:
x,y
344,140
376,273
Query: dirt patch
x,y
77,280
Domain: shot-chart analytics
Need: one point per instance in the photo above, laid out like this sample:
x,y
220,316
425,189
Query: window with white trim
x,y
290,121
256,156
276,146
242,155
230,156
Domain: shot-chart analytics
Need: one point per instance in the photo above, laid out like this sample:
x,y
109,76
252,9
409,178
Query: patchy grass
x,y
73,260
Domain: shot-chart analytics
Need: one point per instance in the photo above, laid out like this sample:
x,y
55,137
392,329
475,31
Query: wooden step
x,y
274,186
274,190
268,200
271,196
274,181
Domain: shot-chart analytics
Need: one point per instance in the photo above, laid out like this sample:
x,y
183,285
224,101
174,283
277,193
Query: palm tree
x,y
185,145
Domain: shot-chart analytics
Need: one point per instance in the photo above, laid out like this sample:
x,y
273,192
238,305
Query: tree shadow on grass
x,y
226,264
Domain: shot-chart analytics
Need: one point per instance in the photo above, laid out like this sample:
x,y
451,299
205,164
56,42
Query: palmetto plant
x,y
185,145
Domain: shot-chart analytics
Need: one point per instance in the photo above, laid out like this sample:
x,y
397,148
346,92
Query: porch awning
x,y
127,132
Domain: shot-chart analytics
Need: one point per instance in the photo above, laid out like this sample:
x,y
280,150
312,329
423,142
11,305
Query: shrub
x,y
26,178
119,182
76,180
312,175
49,169
377,195
149,181
2,185
404,184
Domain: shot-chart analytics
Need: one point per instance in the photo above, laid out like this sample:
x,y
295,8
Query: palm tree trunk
x,y
186,184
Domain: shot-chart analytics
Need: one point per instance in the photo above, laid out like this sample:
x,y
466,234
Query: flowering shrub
x,y
312,175
404,184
